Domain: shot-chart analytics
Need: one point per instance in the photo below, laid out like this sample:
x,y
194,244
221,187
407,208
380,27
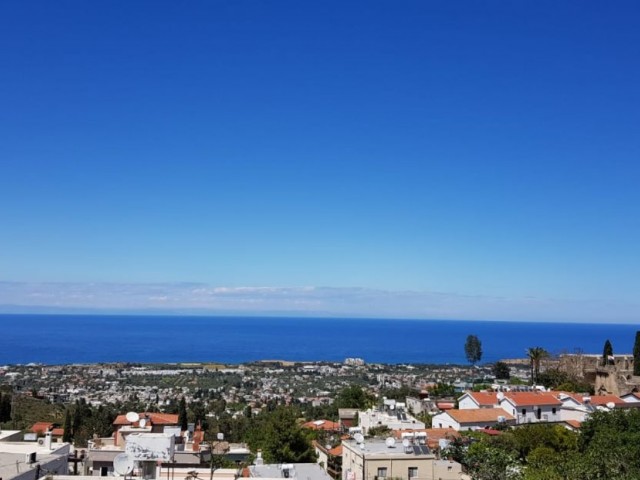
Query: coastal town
x,y
347,420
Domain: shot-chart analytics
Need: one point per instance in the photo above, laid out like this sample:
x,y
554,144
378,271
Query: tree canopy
x,y
501,371
473,349
607,352
536,355
636,355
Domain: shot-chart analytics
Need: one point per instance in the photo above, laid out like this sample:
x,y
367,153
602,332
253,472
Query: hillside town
x,y
277,419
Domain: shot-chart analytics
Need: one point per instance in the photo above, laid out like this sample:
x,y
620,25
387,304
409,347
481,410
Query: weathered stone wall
x,y
616,377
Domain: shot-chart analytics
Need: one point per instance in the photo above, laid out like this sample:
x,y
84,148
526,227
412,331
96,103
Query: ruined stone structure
x,y
616,377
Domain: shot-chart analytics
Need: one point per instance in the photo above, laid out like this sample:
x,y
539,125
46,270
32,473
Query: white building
x,y
472,419
392,415
376,459
32,460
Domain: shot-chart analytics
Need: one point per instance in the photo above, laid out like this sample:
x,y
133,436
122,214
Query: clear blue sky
x,y
486,150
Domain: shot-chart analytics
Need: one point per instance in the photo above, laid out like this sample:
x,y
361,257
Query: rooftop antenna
x,y
132,417
390,442
123,464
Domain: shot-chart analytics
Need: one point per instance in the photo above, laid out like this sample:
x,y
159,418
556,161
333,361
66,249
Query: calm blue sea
x,y
57,339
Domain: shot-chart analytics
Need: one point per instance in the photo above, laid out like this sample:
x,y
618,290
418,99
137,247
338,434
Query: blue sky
x,y
484,153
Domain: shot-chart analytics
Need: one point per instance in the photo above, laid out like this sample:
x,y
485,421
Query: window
x,y
553,410
524,411
382,472
413,472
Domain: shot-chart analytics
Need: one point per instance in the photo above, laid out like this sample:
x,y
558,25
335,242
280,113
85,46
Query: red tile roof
x,y
527,399
573,423
336,451
600,399
41,427
484,398
326,425
155,418
479,415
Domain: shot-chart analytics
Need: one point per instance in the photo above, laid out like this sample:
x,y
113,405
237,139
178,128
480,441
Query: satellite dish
x,y
611,405
406,443
143,423
500,396
390,442
123,464
132,417
358,437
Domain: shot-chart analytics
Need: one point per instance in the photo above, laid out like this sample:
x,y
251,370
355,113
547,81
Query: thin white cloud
x,y
305,300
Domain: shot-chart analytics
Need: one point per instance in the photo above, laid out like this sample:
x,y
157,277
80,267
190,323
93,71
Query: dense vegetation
x,y
607,448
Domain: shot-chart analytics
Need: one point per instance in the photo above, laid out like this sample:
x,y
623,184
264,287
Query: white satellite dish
x,y
390,442
143,422
358,437
500,396
406,443
611,405
123,464
132,417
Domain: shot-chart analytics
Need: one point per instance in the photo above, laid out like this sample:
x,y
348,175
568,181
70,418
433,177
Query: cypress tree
x,y
5,407
636,355
182,414
67,437
606,352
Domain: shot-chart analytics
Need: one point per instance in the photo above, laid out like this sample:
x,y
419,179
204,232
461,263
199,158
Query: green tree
x,y
607,352
473,349
183,420
5,407
536,355
489,462
67,436
501,371
353,396
280,437
609,445
636,355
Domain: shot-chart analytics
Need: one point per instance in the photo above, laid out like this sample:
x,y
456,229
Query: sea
x,y
66,339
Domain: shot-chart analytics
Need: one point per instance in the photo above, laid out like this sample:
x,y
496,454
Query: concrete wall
x,y
58,465
444,420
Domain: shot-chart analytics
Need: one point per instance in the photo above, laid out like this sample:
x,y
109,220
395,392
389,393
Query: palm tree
x,y
536,354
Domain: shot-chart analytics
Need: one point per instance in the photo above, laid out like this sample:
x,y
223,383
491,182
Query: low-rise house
x,y
41,428
294,471
433,436
147,422
329,458
472,400
377,459
325,425
348,417
392,415
32,460
633,397
531,407
472,419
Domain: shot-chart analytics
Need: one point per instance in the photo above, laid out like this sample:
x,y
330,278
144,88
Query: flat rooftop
x,y
306,471
14,462
378,447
